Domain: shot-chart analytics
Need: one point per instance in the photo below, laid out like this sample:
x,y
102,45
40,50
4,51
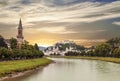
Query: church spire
x,y
20,34
20,24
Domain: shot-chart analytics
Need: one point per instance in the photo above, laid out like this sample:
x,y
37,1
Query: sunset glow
x,y
86,22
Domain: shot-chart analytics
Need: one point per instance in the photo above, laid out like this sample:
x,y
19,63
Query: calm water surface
x,y
76,70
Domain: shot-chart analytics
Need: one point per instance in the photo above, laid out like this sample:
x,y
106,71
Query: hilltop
x,y
60,48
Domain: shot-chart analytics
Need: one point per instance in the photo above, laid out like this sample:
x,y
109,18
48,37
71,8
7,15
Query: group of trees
x,y
27,51
16,54
70,53
111,48
2,42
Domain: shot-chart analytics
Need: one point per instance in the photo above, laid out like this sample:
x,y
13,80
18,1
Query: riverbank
x,y
12,68
107,59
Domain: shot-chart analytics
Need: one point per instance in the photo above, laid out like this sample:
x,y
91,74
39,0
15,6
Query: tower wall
x,y
20,35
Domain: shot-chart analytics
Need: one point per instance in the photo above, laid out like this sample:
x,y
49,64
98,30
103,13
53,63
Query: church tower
x,y
20,34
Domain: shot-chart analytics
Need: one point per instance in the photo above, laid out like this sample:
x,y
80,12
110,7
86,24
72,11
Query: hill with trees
x,y
63,47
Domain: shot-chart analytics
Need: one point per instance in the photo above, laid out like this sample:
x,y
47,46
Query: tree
x,y
4,53
78,47
2,42
102,50
90,53
13,43
70,53
116,52
114,42
25,45
36,46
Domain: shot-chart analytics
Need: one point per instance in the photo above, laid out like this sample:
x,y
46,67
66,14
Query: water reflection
x,y
75,70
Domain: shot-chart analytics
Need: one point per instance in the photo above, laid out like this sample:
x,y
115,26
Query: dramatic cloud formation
x,y
54,20
116,23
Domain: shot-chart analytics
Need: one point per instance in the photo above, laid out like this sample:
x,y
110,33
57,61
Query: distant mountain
x,y
42,48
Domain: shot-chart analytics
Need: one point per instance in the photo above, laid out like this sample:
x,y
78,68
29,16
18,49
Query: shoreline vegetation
x,y
15,60
107,59
12,68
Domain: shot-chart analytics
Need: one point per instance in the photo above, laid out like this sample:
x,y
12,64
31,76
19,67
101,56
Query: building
x,y
19,37
20,34
7,41
66,46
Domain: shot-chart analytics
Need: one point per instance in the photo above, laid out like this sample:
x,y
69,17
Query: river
x,y
75,70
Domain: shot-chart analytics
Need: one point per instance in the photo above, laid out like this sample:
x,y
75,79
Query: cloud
x,y
56,30
36,11
116,23
82,12
77,19
95,31
91,40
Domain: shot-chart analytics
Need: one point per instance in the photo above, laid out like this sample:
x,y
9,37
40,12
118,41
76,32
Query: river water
x,y
76,70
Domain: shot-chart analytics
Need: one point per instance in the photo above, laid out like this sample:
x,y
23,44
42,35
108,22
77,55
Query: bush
x,y
70,53
116,52
5,54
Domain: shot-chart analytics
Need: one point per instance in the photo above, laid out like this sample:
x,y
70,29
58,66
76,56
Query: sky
x,y
86,22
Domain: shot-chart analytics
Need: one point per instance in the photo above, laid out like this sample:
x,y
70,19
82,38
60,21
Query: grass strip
x,y
10,67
